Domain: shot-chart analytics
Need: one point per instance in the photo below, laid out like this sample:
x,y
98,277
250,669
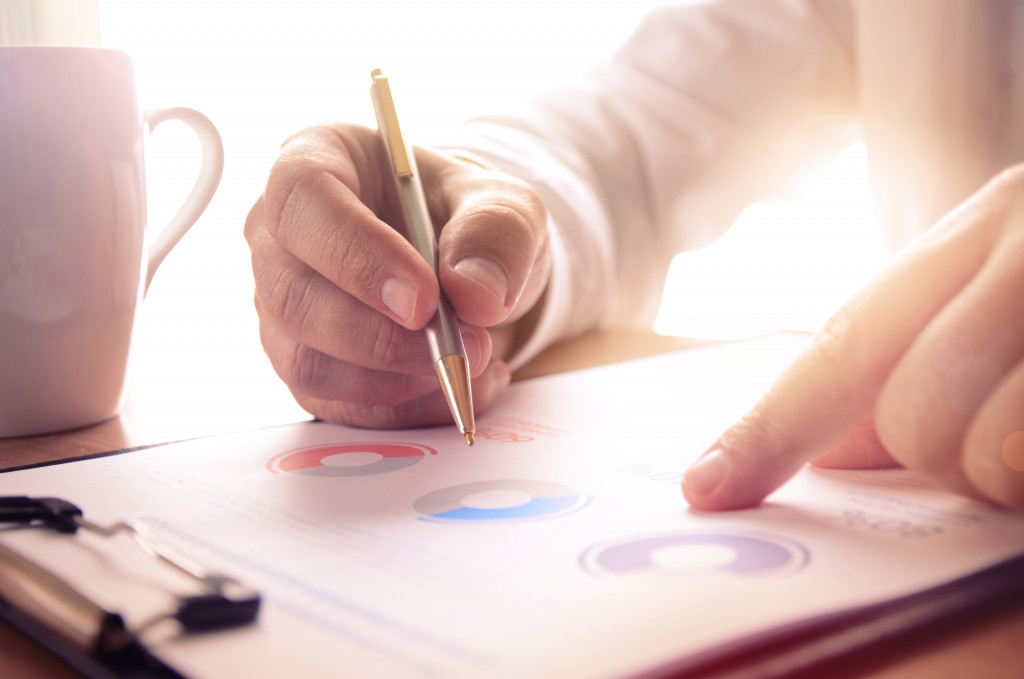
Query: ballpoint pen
x,y
443,336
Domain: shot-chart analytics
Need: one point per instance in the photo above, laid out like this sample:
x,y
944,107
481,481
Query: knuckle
x,y
309,159
846,351
387,347
359,265
289,297
756,436
280,192
306,370
837,341
306,217
254,221
506,201
316,374
293,206
498,214
512,231
521,194
390,391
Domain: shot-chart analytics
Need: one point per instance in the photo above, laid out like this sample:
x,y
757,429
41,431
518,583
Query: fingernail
x,y
707,473
487,273
400,297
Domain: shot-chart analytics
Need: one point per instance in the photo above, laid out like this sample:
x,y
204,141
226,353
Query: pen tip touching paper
x,y
453,374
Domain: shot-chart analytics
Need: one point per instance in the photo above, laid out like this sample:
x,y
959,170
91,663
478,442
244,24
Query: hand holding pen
x,y
443,336
343,298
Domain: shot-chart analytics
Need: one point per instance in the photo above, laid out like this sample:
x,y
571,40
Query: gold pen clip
x,y
388,125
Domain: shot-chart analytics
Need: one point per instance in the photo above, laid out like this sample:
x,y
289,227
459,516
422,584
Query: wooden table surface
x,y
203,404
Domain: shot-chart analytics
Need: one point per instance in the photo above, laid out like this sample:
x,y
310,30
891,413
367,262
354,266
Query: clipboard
x,y
87,635
806,649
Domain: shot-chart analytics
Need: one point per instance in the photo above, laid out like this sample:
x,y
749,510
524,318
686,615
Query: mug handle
x,y
202,191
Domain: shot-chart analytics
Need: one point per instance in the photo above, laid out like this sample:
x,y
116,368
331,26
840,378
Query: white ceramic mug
x,y
74,263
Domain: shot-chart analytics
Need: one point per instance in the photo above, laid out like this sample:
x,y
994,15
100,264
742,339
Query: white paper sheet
x,y
557,546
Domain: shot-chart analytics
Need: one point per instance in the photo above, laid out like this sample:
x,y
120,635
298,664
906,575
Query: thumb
x,y
493,252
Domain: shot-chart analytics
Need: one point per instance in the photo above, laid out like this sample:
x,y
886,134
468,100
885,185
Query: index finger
x,y
835,383
323,204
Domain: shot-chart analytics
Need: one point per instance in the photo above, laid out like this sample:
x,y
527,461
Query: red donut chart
x,y
349,459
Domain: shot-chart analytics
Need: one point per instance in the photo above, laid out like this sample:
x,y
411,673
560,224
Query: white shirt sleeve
x,y
705,109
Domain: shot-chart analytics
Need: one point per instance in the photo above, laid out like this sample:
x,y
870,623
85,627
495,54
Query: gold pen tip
x,y
469,438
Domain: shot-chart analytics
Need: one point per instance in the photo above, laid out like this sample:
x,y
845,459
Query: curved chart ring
x,y
745,555
500,500
349,459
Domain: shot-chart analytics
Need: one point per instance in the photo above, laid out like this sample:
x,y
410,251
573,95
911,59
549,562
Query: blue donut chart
x,y
753,555
315,460
547,499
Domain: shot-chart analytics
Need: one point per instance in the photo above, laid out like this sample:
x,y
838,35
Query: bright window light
x,y
263,70
783,265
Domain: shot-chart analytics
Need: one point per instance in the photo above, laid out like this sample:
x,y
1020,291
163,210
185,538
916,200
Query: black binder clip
x,y
30,588
40,512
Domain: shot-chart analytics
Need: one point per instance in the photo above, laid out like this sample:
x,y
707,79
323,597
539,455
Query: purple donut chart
x,y
742,555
